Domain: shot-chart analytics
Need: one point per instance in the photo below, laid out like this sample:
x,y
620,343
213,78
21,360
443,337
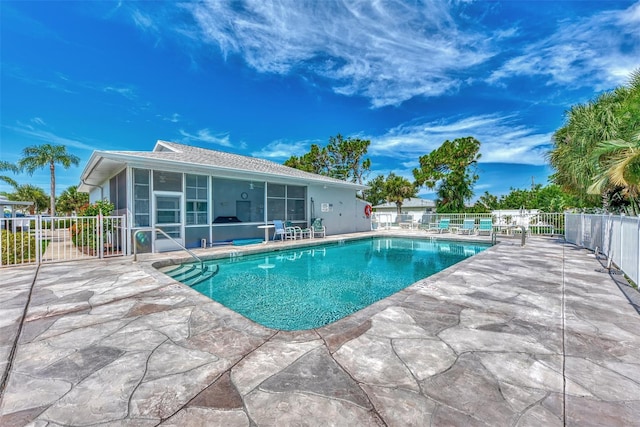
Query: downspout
x,y
94,186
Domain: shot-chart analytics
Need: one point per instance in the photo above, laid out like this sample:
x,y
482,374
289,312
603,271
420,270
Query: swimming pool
x,y
307,288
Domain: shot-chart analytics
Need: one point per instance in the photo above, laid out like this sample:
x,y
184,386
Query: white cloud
x,y
127,92
204,135
502,138
282,150
48,137
388,52
174,118
38,121
600,50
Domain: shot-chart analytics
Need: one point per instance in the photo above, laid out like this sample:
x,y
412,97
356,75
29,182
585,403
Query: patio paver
x,y
532,335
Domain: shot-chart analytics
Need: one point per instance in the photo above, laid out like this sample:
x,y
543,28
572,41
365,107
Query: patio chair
x,y
297,231
442,226
285,233
486,226
317,228
468,226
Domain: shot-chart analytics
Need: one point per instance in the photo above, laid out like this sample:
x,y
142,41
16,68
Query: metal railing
x,y
616,237
41,239
203,268
531,223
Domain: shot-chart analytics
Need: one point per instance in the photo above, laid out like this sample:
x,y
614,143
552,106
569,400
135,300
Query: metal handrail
x,y
135,248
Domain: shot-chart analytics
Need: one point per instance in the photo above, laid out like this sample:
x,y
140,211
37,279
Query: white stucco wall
x,y
340,210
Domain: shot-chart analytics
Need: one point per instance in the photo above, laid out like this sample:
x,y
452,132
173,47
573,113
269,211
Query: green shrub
x,y
17,248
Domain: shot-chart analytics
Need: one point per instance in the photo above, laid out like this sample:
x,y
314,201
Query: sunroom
x,y
200,198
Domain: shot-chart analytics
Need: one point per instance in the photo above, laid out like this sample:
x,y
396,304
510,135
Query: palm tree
x,y
618,167
6,166
71,200
39,156
29,193
612,116
398,189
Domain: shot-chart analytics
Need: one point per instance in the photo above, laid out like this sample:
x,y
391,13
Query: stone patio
x,y
528,336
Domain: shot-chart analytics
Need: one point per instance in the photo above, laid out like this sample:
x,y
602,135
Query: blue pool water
x,y
312,287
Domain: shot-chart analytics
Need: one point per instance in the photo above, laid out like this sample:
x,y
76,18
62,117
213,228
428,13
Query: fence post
x,y
124,240
39,240
100,239
619,263
637,278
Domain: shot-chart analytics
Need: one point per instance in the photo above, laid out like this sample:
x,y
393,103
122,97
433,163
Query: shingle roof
x,y
171,151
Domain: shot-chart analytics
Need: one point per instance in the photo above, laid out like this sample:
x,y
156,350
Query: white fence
x,y
39,239
616,237
534,223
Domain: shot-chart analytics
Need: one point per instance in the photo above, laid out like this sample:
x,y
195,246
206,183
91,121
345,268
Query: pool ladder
x,y
203,268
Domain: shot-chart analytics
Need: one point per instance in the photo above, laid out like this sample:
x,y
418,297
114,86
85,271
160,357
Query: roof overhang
x,y
104,164
99,168
15,203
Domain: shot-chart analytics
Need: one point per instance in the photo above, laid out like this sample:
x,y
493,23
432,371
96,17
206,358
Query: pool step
x,y
190,274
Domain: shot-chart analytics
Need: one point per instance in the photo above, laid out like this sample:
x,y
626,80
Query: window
x,y
197,190
167,181
286,202
118,192
141,198
296,203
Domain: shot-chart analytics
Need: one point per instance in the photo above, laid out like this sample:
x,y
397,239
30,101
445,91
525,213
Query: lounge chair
x,y
318,229
285,233
468,226
486,226
442,226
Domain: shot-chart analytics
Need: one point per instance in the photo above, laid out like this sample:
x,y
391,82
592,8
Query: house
x,y
204,197
412,210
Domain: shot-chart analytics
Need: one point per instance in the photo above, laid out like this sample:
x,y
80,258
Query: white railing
x,y
534,223
616,237
39,239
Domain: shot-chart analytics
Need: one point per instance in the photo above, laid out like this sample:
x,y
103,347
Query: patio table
x,y
266,232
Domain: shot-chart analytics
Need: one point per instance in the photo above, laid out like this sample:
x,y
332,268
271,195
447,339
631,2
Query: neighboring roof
x,y
413,202
6,202
104,164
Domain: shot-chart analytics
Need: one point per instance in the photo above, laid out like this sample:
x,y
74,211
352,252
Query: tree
x,y
486,203
577,155
618,166
315,161
376,193
29,193
551,198
518,199
37,157
347,158
452,167
341,159
71,200
7,166
398,189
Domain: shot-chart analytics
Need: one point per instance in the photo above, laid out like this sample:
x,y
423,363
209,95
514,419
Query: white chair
x,y
285,233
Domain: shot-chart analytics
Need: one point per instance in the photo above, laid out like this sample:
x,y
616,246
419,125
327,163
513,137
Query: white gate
x,y
39,239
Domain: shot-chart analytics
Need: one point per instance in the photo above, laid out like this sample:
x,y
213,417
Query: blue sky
x,y
270,78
